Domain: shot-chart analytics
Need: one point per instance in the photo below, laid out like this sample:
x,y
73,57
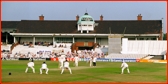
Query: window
x,y
84,31
131,38
141,39
86,19
83,19
153,38
84,25
63,39
91,19
90,25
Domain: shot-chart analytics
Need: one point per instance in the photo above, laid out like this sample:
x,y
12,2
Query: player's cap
x,y
43,62
32,60
66,60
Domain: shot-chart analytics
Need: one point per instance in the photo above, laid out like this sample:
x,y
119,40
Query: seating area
x,y
144,47
6,47
101,50
25,49
62,45
148,57
158,57
126,56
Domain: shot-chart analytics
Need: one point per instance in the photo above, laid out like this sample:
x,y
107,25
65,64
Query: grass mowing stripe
x,y
71,80
81,78
94,77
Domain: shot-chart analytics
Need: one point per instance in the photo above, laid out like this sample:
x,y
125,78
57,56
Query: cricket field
x,y
104,72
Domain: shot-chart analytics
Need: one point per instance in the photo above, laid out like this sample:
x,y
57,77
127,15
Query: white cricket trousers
x,y
76,63
65,68
31,68
90,63
44,69
61,65
124,68
30,58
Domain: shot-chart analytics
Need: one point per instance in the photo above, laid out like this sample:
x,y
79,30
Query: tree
x,y
165,37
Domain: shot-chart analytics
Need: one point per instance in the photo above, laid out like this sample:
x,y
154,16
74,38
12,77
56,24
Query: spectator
x,y
25,44
55,45
39,43
30,46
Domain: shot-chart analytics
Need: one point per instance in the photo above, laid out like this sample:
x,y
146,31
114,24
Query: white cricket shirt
x,y
44,65
124,64
94,59
30,64
61,59
30,55
66,64
76,59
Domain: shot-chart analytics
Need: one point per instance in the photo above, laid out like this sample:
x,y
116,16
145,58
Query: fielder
x,y
66,65
76,61
44,67
123,66
30,65
3,56
61,60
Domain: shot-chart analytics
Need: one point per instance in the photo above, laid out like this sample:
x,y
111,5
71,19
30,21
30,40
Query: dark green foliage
x,y
165,37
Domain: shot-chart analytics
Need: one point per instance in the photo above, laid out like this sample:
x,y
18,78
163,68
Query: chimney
x,y
101,18
41,17
77,17
139,17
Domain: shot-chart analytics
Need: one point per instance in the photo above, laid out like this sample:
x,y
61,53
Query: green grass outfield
x,y
104,72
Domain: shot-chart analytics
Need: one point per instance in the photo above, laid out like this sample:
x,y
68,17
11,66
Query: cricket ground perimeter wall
x,y
143,47
98,59
102,60
115,60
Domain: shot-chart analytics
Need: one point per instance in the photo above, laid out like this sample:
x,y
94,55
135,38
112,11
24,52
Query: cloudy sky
x,y
68,10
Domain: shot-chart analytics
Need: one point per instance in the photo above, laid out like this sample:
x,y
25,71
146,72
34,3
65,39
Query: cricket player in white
x,y
30,56
66,65
30,65
123,66
94,61
44,67
61,60
90,60
76,61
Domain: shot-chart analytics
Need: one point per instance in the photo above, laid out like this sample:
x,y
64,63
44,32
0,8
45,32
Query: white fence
x,y
144,47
